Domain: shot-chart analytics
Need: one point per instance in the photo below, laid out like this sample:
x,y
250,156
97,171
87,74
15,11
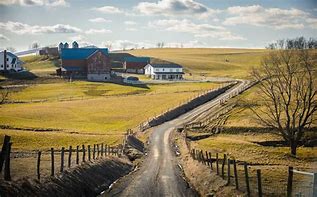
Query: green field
x,y
87,111
209,62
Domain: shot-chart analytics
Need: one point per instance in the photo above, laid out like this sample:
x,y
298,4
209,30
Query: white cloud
x,y
198,30
99,20
108,10
53,3
312,22
175,7
3,37
131,29
21,28
98,31
270,17
130,23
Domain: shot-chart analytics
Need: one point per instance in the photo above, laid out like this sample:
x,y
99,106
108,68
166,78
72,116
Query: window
x,y
163,69
7,59
177,70
156,69
171,70
1,65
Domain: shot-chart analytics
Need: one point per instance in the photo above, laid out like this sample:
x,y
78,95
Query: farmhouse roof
x,y
169,73
166,66
80,53
137,59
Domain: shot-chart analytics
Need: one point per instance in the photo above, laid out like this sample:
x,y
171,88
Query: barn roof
x,y
166,66
137,59
80,53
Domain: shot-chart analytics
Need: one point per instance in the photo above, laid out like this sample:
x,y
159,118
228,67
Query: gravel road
x,y
159,174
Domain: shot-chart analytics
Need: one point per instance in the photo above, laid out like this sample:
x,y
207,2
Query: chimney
x,y
5,59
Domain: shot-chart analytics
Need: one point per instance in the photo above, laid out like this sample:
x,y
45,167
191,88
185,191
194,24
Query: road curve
x,y
159,174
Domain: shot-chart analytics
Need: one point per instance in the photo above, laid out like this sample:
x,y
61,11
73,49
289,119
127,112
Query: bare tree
x,y
11,49
35,45
4,95
288,88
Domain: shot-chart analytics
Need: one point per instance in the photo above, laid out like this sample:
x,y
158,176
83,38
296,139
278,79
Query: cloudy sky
x,y
143,23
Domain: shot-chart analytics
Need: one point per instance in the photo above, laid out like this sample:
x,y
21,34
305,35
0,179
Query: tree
x,y
4,95
11,49
288,90
35,45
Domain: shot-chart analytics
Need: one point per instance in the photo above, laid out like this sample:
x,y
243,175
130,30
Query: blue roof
x,y
71,68
80,53
137,59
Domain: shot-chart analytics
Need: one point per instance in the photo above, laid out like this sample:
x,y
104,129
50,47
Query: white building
x,y
13,62
164,71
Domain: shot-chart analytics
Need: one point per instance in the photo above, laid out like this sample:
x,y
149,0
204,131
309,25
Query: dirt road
x,y
159,174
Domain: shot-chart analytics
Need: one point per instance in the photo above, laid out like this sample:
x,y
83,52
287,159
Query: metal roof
x,y
137,59
166,66
169,73
79,53
71,68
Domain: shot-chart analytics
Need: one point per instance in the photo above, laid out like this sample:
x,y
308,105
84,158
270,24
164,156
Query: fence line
x,y
250,180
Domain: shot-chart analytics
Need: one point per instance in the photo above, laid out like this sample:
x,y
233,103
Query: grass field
x,y
40,65
209,62
100,112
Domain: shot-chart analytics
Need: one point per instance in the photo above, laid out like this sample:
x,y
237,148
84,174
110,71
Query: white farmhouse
x,y
164,71
13,63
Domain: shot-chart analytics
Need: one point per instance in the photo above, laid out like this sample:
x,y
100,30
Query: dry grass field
x,y
87,112
209,62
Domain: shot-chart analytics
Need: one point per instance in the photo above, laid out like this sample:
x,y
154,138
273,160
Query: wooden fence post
x,y
62,159
207,159
102,150
7,174
52,162
5,144
70,156
89,156
98,151
235,174
223,166
210,160
94,152
77,155
247,178
84,153
193,154
258,173
290,181
228,178
202,157
38,165
217,163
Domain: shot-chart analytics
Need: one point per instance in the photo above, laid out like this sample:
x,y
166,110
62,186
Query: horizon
x,y
145,23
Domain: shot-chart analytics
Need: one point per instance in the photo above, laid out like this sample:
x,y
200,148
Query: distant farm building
x,y
10,62
164,71
49,51
91,63
135,64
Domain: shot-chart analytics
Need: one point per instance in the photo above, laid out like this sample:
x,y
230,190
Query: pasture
x,y
209,62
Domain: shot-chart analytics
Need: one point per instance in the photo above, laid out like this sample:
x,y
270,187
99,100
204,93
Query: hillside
x,y
209,61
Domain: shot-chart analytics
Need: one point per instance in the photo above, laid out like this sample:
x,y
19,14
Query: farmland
x,y
56,112
209,62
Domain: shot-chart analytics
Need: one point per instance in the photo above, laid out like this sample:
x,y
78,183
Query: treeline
x,y
296,43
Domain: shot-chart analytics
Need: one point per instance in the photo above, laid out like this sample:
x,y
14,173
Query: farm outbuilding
x,y
135,64
91,63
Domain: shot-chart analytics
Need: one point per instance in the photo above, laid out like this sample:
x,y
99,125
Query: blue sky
x,y
135,24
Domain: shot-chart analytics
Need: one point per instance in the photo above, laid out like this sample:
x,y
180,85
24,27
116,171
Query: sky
x,y
144,23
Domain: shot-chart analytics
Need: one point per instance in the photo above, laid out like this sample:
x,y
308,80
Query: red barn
x,y
135,64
